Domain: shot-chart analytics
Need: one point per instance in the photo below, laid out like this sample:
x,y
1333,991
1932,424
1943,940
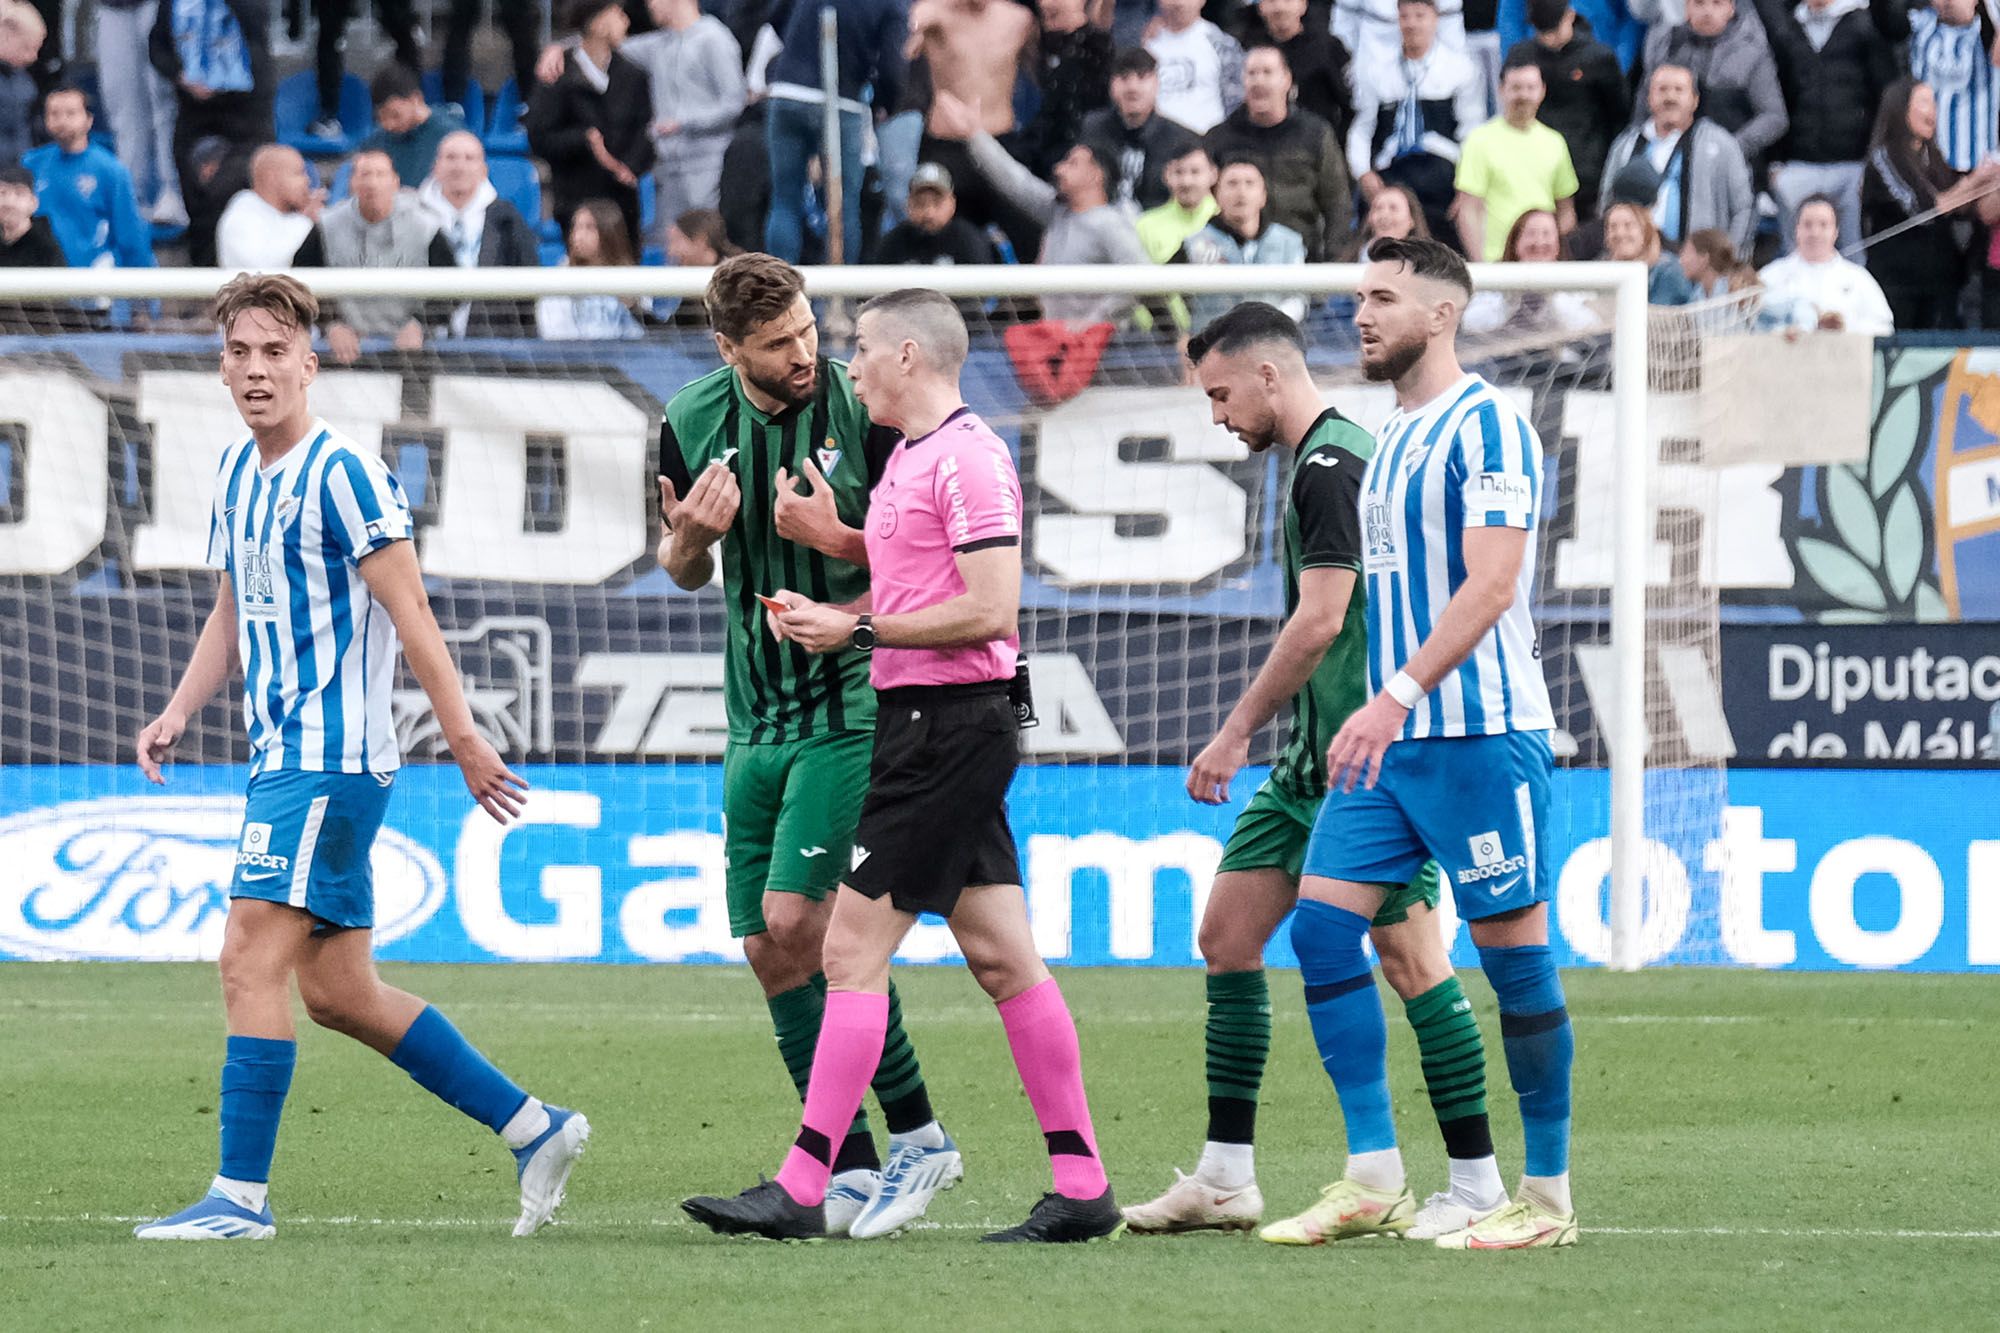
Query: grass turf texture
x,y
1752,1151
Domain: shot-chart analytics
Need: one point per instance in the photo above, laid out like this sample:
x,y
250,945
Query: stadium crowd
x,y
1834,159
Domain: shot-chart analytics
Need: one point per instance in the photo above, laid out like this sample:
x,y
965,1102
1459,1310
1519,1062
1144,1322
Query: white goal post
x,y
1621,700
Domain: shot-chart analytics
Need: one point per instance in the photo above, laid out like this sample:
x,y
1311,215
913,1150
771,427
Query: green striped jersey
x,y
1323,531
775,691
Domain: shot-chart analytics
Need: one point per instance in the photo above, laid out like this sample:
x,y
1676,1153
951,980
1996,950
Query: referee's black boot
x,y
1059,1220
762,1210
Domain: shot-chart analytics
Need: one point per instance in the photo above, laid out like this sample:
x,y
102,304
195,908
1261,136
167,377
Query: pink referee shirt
x,y
951,491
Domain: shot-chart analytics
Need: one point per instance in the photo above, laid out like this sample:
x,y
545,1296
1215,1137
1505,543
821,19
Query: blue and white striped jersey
x,y
1955,62
319,656
1467,459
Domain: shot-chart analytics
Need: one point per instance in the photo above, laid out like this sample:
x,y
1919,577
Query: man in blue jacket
x,y
85,191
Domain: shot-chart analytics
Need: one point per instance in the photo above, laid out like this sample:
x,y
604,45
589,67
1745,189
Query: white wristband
x,y
1403,688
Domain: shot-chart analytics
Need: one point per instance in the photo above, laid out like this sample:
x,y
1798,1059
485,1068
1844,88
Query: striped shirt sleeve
x,y
1500,464
364,505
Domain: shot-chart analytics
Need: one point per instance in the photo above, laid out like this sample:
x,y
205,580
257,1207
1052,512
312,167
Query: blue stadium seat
x,y
338,190
514,180
474,105
503,126
648,204
297,106
553,253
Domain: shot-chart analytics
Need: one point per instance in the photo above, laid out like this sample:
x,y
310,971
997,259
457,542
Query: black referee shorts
x,y
935,820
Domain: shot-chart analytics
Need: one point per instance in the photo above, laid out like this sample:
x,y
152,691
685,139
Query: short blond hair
x,y
283,297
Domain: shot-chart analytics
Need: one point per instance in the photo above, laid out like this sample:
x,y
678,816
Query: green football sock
x,y
795,1014
898,1082
1239,1041
1454,1062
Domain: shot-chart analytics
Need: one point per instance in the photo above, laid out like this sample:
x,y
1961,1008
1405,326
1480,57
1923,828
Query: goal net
x,y
1153,589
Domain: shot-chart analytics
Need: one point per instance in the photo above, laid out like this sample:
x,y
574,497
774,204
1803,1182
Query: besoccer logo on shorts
x,y
256,849
1489,859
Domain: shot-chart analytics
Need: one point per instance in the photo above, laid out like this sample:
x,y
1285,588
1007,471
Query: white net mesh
x,y
1152,592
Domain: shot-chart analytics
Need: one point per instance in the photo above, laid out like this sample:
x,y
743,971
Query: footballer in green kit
x,y
1251,364
768,462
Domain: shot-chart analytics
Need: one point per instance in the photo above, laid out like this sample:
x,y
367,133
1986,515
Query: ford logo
x,y
147,878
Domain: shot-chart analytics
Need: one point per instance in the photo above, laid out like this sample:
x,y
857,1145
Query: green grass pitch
x,y
1751,1151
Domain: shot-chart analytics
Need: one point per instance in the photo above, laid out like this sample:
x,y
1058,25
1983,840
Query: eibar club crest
x,y
828,457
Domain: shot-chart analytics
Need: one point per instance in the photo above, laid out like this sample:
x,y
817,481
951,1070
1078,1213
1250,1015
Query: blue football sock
x,y
1347,1021
445,1064
1535,1028
256,1075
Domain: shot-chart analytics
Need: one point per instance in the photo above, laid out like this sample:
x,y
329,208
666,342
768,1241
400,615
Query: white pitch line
x,y
499,1223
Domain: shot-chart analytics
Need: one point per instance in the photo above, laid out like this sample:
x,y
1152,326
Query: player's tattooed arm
x,y
1301,646
213,660
813,520
392,575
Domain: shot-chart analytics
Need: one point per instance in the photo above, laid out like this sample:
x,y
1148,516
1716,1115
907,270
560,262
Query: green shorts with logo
x,y
1272,833
788,817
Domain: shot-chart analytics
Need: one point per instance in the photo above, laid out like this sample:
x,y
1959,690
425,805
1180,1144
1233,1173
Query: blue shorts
x,y
306,841
1475,804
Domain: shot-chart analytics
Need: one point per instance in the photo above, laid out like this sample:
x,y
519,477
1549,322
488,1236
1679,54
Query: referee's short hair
x,y
926,318
1250,324
1424,257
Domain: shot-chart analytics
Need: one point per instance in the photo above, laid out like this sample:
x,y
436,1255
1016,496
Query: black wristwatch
x,y
864,633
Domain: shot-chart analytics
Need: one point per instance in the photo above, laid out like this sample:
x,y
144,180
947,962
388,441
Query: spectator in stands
x,y
1587,99
973,51
1813,288
1921,268
1371,30
380,225
931,231
138,107
408,128
1295,151
1952,49
1535,237
217,55
1709,263
483,231
21,34
398,20
1074,73
1393,214
1133,133
264,226
1630,235
593,126
1689,172
697,239
695,70
1319,63
1511,165
596,239
1734,73
870,52
521,20
1201,66
1835,65
85,193
1081,225
1412,112
1191,178
1242,232
26,240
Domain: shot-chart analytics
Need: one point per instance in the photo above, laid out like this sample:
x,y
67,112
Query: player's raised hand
x,y
1363,739
810,519
710,507
499,791
156,745
1209,776
815,627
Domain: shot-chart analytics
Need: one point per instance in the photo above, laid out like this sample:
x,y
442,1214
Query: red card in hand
x,y
772,604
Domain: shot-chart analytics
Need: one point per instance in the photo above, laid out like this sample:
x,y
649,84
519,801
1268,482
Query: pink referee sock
x,y
850,1046
1043,1038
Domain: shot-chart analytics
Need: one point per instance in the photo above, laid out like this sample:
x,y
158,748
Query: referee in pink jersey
x,y
944,554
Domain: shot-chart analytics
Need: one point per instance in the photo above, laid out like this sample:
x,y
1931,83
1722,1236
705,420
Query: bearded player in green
x,y
736,448
1251,363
